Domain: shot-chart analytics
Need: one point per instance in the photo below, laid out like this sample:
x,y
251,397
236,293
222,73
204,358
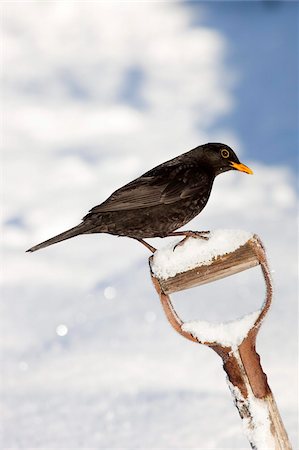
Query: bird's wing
x,y
152,190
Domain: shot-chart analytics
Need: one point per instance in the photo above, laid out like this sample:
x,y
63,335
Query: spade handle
x,y
246,379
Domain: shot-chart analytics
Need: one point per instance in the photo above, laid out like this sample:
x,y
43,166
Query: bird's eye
x,y
224,153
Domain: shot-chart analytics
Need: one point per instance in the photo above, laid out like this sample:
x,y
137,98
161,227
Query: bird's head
x,y
221,158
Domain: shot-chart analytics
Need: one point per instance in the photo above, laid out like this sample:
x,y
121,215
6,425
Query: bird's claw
x,y
194,234
199,234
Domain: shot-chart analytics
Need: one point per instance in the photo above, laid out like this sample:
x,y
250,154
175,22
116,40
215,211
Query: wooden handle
x,y
247,381
223,266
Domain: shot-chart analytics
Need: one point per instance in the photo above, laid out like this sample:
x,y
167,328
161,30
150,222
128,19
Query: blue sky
x,y
263,51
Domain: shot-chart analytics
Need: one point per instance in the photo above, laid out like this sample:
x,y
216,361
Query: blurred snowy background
x,y
96,93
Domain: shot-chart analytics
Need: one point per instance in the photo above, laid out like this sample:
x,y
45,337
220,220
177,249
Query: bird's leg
x,y
195,234
148,246
187,234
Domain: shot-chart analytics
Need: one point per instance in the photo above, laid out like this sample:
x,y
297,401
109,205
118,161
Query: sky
x,y
95,94
263,38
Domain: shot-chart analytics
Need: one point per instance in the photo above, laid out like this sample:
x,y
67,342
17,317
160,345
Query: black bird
x,y
161,200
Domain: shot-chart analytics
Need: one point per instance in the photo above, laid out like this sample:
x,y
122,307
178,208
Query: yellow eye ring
x,y
224,153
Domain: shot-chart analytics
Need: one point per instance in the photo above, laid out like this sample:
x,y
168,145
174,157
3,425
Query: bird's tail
x,y
79,229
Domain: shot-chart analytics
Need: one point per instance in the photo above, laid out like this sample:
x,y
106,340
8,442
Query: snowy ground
x,y
87,357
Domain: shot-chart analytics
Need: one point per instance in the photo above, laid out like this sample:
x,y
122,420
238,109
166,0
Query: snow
x,y
109,292
228,334
121,376
257,428
62,330
167,262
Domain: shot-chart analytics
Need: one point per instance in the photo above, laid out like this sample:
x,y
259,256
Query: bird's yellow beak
x,y
241,167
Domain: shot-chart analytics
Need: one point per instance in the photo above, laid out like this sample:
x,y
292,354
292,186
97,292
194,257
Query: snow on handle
x,y
198,262
168,262
227,334
258,429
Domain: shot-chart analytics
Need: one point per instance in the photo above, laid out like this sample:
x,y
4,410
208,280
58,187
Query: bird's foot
x,y
148,246
195,234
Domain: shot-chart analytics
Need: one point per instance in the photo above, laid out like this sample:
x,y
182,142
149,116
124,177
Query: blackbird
x,y
161,200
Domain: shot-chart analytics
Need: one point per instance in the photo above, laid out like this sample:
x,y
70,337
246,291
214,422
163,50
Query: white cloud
x,y
92,47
